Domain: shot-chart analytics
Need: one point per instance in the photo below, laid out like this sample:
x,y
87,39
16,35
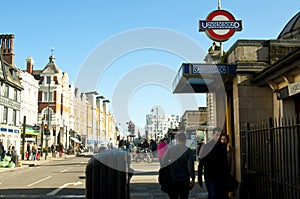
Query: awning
x,y
199,78
75,140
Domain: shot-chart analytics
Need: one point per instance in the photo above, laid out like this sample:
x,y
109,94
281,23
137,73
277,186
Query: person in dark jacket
x,y
182,168
213,158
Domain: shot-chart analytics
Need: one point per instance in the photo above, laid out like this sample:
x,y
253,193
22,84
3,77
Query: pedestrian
x,y
231,163
213,159
121,142
2,151
9,150
153,145
129,144
145,144
34,151
28,151
182,171
161,149
53,150
13,154
61,149
110,145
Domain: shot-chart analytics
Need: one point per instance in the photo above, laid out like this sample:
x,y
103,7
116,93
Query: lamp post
x,y
42,135
48,119
106,117
155,135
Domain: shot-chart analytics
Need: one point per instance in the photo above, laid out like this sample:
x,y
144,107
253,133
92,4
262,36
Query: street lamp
x,y
155,135
48,117
106,117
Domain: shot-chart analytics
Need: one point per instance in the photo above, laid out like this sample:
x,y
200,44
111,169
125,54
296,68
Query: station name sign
x,y
291,89
208,69
220,25
204,25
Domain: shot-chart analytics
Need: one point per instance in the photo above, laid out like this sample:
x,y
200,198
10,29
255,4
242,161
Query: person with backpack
x,y
179,159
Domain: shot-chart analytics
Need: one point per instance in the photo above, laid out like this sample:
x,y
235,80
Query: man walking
x,y
213,159
182,170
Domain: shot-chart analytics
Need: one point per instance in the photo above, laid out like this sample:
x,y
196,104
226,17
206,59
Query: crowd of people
x,y
32,152
11,151
215,163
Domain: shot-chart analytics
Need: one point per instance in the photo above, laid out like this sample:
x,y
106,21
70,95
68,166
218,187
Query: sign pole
x,y
221,45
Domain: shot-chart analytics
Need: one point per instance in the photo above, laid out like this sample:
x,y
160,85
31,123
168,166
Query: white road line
x,y
64,171
52,193
41,180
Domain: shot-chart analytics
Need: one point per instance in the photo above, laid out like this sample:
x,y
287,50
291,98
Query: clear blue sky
x,y
77,28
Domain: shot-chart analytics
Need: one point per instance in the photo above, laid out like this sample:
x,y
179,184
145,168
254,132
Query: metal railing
x,y
270,159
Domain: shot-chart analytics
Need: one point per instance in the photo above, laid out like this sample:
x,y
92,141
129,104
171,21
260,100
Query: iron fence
x,y
270,159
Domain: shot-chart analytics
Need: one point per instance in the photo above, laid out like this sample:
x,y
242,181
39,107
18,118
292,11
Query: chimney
x,y
7,47
30,63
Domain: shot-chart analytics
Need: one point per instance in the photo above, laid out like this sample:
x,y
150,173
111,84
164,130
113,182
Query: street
x,y
59,178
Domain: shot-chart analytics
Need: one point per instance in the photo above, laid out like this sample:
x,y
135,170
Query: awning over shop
x,y
75,140
200,78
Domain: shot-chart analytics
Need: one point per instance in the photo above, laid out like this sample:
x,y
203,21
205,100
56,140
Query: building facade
x,y
29,103
157,125
10,95
53,103
78,116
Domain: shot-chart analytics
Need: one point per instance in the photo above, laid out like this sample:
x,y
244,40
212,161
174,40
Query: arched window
x,y
47,114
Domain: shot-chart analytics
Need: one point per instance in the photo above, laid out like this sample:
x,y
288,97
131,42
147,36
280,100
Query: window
x,y
14,118
47,116
6,89
48,80
47,95
15,95
5,111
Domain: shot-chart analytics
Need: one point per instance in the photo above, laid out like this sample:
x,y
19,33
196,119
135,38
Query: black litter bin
x,y
107,175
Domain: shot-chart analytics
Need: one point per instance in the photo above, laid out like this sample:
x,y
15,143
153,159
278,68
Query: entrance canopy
x,y
198,78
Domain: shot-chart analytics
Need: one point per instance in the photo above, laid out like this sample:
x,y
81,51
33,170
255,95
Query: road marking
x,y
41,180
52,193
64,171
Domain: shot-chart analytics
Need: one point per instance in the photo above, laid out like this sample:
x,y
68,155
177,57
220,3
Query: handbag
x,y
164,178
232,183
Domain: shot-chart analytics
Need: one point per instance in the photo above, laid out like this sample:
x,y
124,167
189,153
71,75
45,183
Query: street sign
x,y
36,128
220,25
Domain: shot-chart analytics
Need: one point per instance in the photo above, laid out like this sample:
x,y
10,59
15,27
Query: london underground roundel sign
x,y
220,25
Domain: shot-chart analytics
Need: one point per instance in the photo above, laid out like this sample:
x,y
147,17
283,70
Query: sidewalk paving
x,y
30,163
144,184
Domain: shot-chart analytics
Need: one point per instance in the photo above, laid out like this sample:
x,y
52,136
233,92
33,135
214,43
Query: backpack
x,y
164,178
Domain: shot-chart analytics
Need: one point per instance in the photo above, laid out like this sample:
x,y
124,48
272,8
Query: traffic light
x,y
54,131
131,127
46,130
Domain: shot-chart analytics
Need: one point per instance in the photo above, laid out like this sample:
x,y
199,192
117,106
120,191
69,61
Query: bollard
x,y
108,176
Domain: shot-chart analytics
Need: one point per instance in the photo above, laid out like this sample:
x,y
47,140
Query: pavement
x,y
143,184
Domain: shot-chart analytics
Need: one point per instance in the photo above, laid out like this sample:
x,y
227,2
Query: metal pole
x,y
48,120
42,136
156,122
221,46
66,146
23,137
